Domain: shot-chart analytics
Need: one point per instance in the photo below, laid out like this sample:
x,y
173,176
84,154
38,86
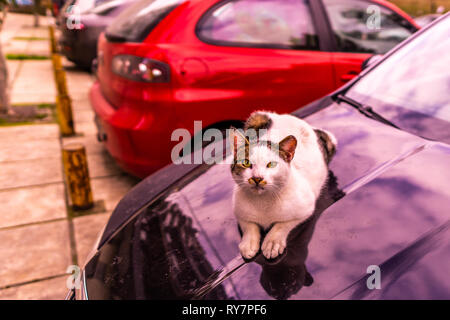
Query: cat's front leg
x,y
275,241
251,238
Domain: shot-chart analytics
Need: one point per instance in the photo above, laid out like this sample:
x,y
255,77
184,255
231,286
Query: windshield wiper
x,y
365,110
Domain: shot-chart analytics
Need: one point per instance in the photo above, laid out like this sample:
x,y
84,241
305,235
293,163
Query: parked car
x,y
56,7
78,42
72,8
383,208
164,64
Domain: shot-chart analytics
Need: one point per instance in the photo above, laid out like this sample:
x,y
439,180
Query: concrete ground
x,y
38,240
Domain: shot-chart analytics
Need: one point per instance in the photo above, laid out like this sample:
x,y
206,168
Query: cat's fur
x,y
282,196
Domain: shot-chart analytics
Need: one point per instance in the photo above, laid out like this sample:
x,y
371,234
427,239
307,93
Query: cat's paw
x,y
273,245
249,247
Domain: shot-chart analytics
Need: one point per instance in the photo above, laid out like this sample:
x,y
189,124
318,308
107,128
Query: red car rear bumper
x,y
125,135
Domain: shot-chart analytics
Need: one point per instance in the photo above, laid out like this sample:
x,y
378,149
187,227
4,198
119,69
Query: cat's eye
x,y
272,164
246,163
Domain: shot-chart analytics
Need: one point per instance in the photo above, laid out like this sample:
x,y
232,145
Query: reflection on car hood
x,y
384,205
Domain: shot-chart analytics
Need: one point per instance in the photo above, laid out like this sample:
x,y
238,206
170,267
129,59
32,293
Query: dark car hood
x,y
386,204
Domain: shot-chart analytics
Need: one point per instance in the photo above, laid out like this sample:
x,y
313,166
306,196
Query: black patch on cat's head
x,y
258,121
326,145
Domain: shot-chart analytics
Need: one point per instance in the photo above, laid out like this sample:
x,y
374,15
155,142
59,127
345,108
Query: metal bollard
x,y
77,176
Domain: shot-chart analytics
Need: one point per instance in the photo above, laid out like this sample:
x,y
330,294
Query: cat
x,y
278,175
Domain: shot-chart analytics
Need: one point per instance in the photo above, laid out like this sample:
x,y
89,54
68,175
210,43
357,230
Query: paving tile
x,y
42,31
85,115
80,102
32,97
15,47
28,149
28,88
102,165
39,47
52,289
28,30
33,204
29,132
12,66
34,252
30,172
87,231
86,128
112,189
78,81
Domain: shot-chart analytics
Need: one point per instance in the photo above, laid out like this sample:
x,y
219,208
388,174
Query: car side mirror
x,y
370,61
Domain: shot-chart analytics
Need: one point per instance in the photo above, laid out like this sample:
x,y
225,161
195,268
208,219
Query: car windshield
x,y
411,87
106,7
135,23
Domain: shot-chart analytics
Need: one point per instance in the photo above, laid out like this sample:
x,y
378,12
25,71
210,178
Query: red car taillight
x,y
140,69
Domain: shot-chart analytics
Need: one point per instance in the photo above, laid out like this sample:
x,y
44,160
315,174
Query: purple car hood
x,y
385,208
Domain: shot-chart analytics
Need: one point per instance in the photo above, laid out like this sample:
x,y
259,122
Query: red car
x,y
164,64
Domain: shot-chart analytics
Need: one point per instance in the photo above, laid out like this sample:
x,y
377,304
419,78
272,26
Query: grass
x,y
6,123
21,56
28,114
47,106
30,38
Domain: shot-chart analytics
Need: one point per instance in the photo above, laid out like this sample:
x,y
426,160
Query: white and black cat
x,y
278,178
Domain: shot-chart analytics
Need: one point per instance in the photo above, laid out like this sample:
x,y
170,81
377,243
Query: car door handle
x,y
348,76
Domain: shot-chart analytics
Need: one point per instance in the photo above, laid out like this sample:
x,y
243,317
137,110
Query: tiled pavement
x,y
38,241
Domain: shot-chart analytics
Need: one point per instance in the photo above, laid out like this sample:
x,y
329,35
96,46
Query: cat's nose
x,y
255,180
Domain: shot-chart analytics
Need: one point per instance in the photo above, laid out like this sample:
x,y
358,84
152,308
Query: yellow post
x,y
64,112
56,59
63,101
77,176
61,83
53,47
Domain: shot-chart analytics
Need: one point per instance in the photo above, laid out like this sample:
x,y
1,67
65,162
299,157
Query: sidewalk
x,y
38,241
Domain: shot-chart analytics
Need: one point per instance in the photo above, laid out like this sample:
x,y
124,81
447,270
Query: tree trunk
x,y
4,83
37,4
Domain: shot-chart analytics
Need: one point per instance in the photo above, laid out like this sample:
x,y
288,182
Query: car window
x,y
107,8
84,5
362,26
411,87
136,22
256,23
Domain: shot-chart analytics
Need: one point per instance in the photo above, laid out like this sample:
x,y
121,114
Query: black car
x,y
79,36
385,207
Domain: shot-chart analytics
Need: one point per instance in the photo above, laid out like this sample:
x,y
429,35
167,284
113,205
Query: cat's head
x,y
261,166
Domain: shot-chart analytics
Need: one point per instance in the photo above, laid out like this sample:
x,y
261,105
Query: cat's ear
x,y
287,148
327,142
237,140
